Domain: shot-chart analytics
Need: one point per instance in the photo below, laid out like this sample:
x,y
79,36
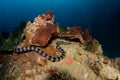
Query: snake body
x,y
42,53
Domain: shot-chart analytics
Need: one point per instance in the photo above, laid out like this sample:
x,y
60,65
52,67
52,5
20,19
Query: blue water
x,y
102,17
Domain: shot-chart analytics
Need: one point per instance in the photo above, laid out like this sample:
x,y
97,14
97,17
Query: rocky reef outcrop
x,y
84,58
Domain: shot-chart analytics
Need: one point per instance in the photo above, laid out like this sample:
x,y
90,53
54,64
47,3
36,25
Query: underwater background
x,y
101,17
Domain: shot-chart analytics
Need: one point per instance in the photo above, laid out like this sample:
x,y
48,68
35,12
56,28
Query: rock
x,y
78,64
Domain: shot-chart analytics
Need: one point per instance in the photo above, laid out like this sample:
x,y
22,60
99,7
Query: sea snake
x,y
42,53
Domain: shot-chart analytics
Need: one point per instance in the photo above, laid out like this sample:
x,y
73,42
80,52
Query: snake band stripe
x,y
42,53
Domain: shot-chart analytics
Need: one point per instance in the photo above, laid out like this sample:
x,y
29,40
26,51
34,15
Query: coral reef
x,y
60,27
77,32
86,36
55,74
8,43
41,30
117,62
78,63
92,46
84,59
43,35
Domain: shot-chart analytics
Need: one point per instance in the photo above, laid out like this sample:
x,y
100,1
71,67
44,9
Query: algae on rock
x,y
92,46
8,43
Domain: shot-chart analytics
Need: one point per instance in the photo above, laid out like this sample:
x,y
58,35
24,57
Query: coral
x,y
8,43
86,36
92,46
72,31
77,32
12,39
56,74
69,61
43,35
61,28
117,62
41,30
78,64
7,68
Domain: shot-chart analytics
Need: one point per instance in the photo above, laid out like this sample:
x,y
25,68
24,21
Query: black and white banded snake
x,y
42,53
